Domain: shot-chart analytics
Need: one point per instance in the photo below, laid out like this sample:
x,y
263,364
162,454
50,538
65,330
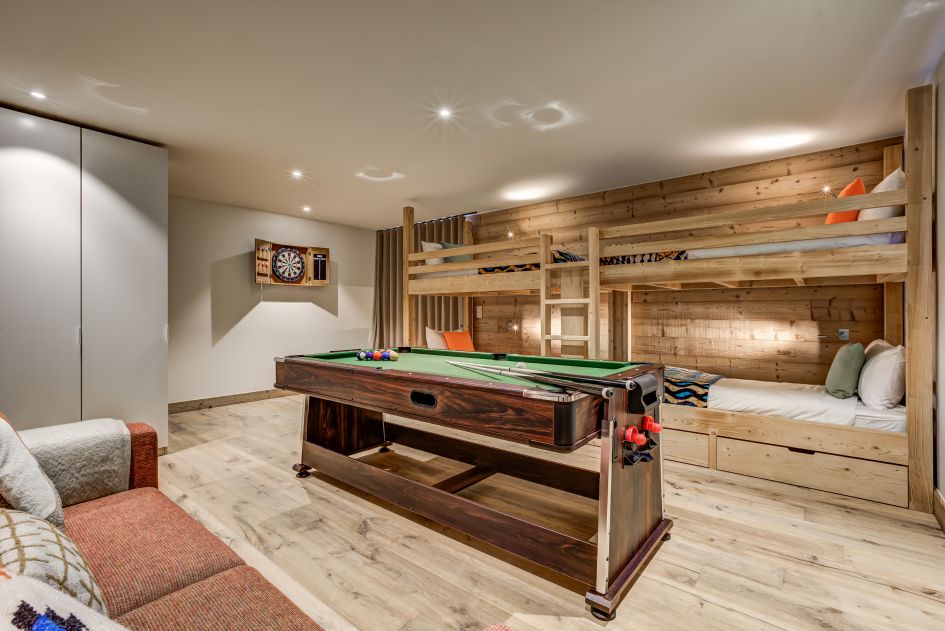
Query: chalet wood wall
x,y
761,333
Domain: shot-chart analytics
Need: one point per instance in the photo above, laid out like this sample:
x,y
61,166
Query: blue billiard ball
x,y
385,356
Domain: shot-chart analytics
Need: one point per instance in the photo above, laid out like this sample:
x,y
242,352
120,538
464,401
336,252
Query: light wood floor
x,y
745,553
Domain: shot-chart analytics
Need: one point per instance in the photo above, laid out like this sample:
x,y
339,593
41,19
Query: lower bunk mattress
x,y
802,402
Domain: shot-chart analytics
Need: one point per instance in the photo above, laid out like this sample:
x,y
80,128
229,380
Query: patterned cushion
x,y
239,598
32,547
23,485
142,546
31,605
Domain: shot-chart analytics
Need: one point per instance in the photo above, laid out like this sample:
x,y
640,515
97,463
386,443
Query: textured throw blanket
x,y
687,387
84,460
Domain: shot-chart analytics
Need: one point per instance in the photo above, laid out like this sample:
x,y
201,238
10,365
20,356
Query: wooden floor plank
x,y
745,554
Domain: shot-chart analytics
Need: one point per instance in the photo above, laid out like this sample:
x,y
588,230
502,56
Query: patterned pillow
x,y
23,485
29,605
32,547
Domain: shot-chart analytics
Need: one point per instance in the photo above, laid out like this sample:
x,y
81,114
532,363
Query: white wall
x,y
225,329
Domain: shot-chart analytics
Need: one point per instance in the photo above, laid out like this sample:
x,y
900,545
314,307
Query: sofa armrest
x,y
144,456
87,460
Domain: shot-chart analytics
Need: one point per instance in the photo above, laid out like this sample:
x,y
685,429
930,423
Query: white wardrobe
x,y
83,275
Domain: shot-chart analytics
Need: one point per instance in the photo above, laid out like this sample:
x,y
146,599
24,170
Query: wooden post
x,y
407,314
593,292
920,292
469,316
893,292
544,257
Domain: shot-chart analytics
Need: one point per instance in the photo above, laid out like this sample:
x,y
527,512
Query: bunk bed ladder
x,y
580,313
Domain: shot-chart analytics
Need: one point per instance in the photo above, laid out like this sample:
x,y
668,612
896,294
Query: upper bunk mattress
x,y
807,245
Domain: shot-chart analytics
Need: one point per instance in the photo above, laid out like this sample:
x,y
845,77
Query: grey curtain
x,y
436,312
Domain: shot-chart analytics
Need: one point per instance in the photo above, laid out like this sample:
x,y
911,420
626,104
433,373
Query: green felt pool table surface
x,y
436,362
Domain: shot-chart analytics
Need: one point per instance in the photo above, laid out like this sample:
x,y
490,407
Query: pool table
x,y
344,419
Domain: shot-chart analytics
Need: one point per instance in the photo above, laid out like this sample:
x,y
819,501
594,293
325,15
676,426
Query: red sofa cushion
x,y
239,598
141,547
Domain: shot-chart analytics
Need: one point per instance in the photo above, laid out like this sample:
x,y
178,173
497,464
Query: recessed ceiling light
x,y
375,175
306,209
445,113
826,188
297,174
36,94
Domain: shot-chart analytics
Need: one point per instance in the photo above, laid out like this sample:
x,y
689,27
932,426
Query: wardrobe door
x,y
124,280
39,271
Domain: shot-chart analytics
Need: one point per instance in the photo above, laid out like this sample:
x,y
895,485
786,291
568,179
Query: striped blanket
x,y
687,387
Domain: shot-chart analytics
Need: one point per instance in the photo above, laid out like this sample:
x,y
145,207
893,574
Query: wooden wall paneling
x,y
407,316
920,293
756,333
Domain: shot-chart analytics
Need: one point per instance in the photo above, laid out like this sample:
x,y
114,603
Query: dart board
x,y
288,265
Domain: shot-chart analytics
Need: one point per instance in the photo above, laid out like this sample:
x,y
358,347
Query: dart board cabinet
x,y
300,265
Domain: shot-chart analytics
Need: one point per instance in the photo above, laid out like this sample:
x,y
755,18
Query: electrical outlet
x,y
843,335
478,312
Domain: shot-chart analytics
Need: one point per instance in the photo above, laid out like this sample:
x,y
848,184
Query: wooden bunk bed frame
x,y
890,467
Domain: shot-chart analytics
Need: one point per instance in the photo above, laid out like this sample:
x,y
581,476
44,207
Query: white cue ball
x,y
521,365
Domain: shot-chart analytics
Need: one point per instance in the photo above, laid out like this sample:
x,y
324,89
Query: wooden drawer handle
x,y
798,450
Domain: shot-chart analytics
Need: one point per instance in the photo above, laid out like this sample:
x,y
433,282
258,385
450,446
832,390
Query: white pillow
x,y
895,181
426,246
883,379
435,339
876,347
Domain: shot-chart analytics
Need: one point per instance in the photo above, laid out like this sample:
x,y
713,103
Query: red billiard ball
x,y
376,356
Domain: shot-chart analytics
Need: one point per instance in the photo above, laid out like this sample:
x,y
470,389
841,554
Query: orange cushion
x,y
458,341
856,187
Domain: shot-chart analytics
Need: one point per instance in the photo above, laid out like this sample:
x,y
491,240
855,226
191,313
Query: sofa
x,y
157,567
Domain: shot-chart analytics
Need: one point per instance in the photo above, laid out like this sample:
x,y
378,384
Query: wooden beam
x,y
749,215
544,291
920,292
477,284
407,313
870,259
593,292
469,315
847,229
481,248
892,312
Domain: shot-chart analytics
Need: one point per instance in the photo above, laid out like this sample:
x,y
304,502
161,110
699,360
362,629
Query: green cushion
x,y
455,259
845,371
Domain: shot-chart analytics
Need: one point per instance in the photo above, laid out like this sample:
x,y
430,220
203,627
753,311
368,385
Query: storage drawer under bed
x,y
867,479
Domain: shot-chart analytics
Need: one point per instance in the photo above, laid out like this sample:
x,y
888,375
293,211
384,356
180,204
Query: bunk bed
x,y
894,467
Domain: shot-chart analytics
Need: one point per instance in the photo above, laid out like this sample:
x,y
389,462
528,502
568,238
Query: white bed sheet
x,y
891,420
806,245
791,400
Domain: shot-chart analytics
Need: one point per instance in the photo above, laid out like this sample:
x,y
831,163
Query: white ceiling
x,y
241,92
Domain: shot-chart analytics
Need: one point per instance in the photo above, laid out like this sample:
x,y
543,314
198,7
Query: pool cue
x,y
620,384
600,391
490,372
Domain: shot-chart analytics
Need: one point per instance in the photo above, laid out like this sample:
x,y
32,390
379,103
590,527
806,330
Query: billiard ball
x,y
376,356
362,356
385,356
394,356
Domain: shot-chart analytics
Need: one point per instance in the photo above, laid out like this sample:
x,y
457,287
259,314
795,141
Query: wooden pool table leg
x,y
631,526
